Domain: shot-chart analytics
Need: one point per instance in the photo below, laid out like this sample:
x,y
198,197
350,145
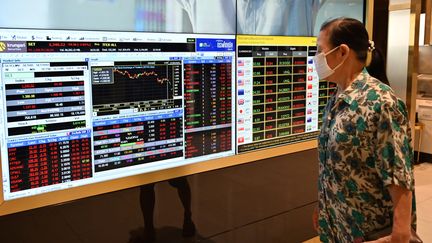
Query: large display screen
x,y
80,107
248,17
292,17
280,98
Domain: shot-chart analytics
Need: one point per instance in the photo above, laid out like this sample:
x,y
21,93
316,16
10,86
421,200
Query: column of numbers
x,y
284,97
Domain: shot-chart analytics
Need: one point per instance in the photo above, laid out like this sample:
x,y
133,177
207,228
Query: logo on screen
x,y
2,46
224,44
241,101
240,73
241,63
241,92
203,44
241,140
241,82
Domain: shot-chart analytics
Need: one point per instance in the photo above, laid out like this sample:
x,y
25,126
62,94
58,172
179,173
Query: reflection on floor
x,y
423,177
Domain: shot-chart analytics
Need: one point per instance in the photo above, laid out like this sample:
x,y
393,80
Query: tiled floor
x,y
423,176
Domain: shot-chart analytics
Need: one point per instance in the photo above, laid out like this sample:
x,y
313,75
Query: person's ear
x,y
344,50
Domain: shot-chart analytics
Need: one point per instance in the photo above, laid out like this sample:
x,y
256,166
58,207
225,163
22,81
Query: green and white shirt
x,y
364,146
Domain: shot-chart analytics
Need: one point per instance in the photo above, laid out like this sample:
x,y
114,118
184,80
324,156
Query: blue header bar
x,y
72,136
200,61
174,114
215,44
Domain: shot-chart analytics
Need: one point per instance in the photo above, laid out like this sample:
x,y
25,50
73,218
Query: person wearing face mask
x,y
366,181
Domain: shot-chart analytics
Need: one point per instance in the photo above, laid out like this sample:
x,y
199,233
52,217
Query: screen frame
x,y
273,40
77,192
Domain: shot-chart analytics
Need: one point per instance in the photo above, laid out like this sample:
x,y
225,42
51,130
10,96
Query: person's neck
x,y
349,76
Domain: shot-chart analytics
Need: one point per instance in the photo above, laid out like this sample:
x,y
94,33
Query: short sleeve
x,y
394,154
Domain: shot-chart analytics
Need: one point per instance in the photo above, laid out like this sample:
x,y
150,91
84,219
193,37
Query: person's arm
x,y
394,165
401,231
402,200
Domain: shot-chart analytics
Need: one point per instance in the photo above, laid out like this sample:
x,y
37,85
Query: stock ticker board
x,y
279,96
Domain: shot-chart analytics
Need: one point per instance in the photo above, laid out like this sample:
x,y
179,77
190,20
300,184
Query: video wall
x,y
81,107
84,107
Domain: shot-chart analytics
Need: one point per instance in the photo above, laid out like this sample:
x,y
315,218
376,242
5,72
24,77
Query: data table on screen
x,y
279,96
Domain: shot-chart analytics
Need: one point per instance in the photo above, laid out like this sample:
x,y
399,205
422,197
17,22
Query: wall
x,y
380,25
397,52
266,201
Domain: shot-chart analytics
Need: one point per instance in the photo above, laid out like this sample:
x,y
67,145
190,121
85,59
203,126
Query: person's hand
x,y
315,218
386,239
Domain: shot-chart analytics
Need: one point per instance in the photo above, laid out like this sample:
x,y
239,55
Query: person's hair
x,y
353,33
377,67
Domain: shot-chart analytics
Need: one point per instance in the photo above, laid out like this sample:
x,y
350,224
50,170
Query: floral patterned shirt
x,y
364,146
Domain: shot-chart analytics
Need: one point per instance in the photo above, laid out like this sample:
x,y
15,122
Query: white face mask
x,y
321,65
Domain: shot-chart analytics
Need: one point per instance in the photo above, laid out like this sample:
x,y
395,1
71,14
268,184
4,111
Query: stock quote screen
x,y
80,107
279,96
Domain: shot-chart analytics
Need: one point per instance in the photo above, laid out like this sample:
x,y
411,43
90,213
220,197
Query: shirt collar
x,y
352,92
